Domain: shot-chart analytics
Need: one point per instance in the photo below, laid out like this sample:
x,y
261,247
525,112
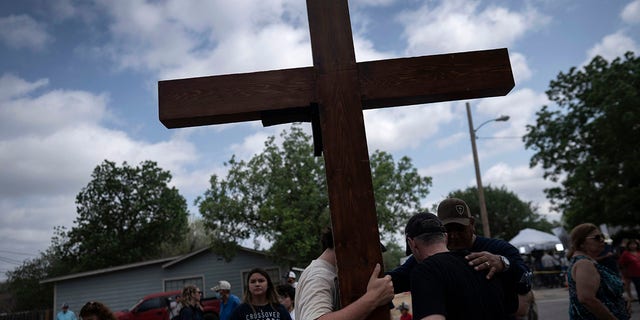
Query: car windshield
x,y
136,304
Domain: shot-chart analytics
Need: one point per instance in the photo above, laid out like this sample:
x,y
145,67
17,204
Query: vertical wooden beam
x,y
352,204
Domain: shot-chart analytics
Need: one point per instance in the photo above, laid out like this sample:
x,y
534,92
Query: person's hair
x,y
327,238
272,295
98,309
286,290
578,235
188,293
636,241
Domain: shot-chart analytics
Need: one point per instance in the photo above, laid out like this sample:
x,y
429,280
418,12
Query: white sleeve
x,y
314,294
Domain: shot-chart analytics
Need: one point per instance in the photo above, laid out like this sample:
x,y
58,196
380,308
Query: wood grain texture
x,y
384,83
232,98
352,205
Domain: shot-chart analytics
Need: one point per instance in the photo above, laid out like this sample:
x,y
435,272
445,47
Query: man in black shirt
x,y
496,256
443,284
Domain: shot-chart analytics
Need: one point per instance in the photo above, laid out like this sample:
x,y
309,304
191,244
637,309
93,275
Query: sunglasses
x,y
598,238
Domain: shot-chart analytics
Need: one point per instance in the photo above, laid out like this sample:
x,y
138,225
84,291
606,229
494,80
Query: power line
x,y
20,253
9,260
512,137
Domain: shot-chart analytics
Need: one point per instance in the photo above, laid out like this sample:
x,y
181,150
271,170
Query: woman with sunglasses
x,y
594,291
260,299
191,307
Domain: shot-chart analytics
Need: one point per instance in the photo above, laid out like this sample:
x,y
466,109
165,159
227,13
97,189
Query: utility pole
x,y
483,205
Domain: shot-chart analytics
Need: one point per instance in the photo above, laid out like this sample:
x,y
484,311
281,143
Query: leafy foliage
x,y
197,237
589,143
281,196
391,258
124,215
506,212
23,283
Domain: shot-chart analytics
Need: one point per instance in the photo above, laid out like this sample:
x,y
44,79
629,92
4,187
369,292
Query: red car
x,y
158,306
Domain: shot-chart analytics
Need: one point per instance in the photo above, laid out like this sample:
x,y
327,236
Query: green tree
x,y
125,214
23,283
391,257
506,212
281,195
588,142
196,237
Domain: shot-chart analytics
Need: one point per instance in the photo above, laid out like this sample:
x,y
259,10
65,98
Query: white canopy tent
x,y
529,239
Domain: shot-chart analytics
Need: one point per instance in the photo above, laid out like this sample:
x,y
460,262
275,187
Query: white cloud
x,y
12,86
22,31
520,106
365,51
612,46
451,140
183,39
393,129
251,145
374,3
527,183
28,225
446,167
520,68
49,112
631,12
458,25
49,144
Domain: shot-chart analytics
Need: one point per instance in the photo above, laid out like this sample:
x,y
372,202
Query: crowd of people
x,y
451,273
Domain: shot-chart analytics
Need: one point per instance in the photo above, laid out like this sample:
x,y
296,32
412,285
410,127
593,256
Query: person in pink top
x,y
630,264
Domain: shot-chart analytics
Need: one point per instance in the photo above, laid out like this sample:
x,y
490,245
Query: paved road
x,y
554,303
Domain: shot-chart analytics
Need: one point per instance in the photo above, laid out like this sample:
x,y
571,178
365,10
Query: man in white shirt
x,y
316,294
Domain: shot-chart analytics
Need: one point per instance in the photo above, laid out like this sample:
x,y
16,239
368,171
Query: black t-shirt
x,y
266,312
191,313
445,284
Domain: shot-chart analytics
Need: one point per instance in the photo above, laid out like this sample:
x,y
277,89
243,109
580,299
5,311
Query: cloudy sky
x,y
78,84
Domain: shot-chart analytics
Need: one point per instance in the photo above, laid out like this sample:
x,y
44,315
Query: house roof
x,y
166,263
106,270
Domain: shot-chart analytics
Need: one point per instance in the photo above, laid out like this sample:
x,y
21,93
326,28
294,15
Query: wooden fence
x,y
28,315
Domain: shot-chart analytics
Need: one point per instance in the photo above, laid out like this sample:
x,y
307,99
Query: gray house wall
x,y
214,268
118,290
121,289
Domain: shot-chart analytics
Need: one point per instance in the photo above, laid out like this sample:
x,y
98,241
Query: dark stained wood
x,y
353,212
445,77
332,94
395,82
232,98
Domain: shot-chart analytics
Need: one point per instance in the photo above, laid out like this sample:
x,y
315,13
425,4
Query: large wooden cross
x,y
332,94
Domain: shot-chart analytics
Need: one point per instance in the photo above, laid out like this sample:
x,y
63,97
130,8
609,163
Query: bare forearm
x,y
359,309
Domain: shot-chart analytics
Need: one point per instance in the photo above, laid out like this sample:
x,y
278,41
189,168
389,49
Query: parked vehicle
x,y
157,306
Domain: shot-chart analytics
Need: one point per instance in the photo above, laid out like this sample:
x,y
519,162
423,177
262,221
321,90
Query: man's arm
x,y
401,275
490,250
379,292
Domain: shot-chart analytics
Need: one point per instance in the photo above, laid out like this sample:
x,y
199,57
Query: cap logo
x,y
460,209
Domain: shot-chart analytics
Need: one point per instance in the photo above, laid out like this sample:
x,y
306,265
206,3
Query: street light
x,y
483,204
